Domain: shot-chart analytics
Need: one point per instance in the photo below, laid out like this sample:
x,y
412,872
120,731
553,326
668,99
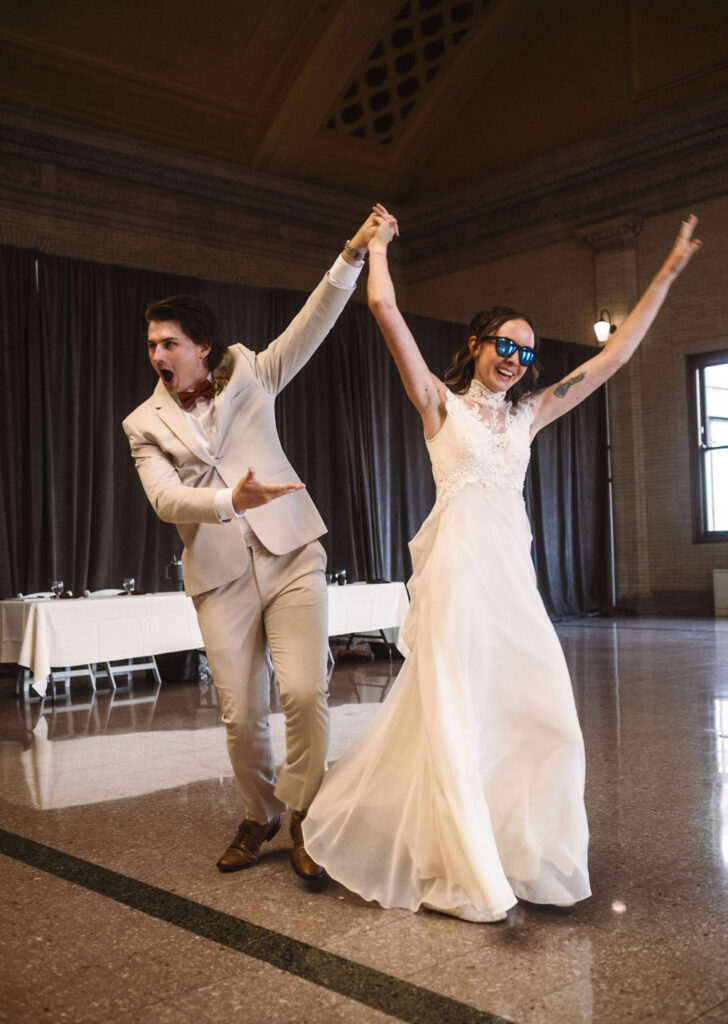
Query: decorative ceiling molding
x,y
21,238
67,172
615,233
659,163
101,198
657,138
29,139
392,99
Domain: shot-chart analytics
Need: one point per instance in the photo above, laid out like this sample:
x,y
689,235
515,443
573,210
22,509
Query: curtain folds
x,y
72,337
566,495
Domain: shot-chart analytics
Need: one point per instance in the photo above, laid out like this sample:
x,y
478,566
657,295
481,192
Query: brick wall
x,y
694,320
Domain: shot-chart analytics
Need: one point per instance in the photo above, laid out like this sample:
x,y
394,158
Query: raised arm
x,y
285,355
554,401
420,385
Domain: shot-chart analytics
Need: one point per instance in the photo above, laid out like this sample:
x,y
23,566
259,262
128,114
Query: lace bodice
x,y
483,440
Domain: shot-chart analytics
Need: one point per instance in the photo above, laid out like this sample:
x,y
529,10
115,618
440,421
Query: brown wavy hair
x,y
487,323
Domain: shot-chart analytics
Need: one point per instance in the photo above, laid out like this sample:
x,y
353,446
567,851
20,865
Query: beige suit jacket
x,y
181,479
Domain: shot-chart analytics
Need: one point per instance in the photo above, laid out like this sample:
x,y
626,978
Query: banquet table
x,y
366,607
50,632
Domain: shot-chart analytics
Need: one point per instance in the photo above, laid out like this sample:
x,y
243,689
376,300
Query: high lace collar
x,y
481,393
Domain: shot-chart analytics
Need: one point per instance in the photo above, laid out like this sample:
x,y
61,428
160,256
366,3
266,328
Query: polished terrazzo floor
x,y
114,810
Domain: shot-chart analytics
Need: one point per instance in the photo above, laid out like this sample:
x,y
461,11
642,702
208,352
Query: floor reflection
x,y
79,747
639,721
721,752
652,697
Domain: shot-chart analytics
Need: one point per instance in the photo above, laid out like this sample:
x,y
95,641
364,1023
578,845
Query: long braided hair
x,y
486,323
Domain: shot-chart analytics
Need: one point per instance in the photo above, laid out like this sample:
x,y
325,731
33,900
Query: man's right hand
x,y
251,493
364,235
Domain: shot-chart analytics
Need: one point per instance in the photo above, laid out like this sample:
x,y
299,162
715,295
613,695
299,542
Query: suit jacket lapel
x,y
171,413
225,399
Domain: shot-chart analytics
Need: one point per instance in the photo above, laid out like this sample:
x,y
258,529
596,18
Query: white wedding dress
x,y
466,788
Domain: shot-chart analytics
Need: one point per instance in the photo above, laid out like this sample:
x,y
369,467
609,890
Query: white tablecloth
x,y
55,632
362,607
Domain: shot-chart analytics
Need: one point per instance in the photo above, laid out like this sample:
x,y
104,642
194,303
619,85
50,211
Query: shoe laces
x,y
247,829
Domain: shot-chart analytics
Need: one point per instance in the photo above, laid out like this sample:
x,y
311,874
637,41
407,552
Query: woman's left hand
x,y
684,248
387,226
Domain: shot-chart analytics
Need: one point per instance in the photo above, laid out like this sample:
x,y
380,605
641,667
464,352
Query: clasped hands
x,y
386,228
379,224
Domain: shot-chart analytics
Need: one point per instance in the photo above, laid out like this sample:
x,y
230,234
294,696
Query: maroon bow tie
x,y
205,390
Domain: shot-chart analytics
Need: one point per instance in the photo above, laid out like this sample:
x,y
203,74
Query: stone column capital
x,y
615,233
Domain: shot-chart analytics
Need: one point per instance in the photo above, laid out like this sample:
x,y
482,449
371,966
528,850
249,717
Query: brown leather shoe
x,y
304,866
243,851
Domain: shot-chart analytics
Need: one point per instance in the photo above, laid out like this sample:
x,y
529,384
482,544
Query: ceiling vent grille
x,y
415,47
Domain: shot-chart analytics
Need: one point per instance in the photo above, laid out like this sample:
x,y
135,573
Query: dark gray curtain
x,y
72,506
566,495
26,484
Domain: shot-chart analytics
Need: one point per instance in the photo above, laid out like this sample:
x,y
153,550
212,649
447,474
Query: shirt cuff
x,y
342,274
224,506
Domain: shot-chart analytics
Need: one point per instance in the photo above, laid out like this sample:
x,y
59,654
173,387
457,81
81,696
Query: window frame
x,y
695,365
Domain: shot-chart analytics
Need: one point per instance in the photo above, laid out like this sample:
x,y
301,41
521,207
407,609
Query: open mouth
x,y
166,376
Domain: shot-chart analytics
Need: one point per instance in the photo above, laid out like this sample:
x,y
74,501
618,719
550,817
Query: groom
x,y
209,457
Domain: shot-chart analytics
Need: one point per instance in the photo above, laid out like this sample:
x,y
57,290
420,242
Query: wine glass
x,y
129,584
57,587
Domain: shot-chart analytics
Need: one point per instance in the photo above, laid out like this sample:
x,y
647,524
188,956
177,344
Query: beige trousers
x,y
279,606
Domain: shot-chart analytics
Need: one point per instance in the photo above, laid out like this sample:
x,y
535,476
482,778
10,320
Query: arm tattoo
x,y
562,388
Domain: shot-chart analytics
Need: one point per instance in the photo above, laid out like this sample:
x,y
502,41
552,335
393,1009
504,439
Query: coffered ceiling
x,y
405,100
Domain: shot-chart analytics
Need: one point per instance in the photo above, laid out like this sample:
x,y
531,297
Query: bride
x,y
465,792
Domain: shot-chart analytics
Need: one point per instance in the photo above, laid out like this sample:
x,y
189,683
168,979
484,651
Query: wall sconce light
x,y
604,326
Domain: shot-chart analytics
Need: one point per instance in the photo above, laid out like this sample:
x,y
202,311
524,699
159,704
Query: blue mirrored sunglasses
x,y
506,347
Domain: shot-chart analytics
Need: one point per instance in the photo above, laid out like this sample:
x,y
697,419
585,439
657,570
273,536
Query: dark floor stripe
x,y
381,991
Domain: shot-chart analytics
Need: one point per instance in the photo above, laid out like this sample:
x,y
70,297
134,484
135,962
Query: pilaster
x,y
613,245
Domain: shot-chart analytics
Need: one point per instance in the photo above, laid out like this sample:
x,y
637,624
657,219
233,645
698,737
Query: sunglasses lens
x,y
526,356
505,347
